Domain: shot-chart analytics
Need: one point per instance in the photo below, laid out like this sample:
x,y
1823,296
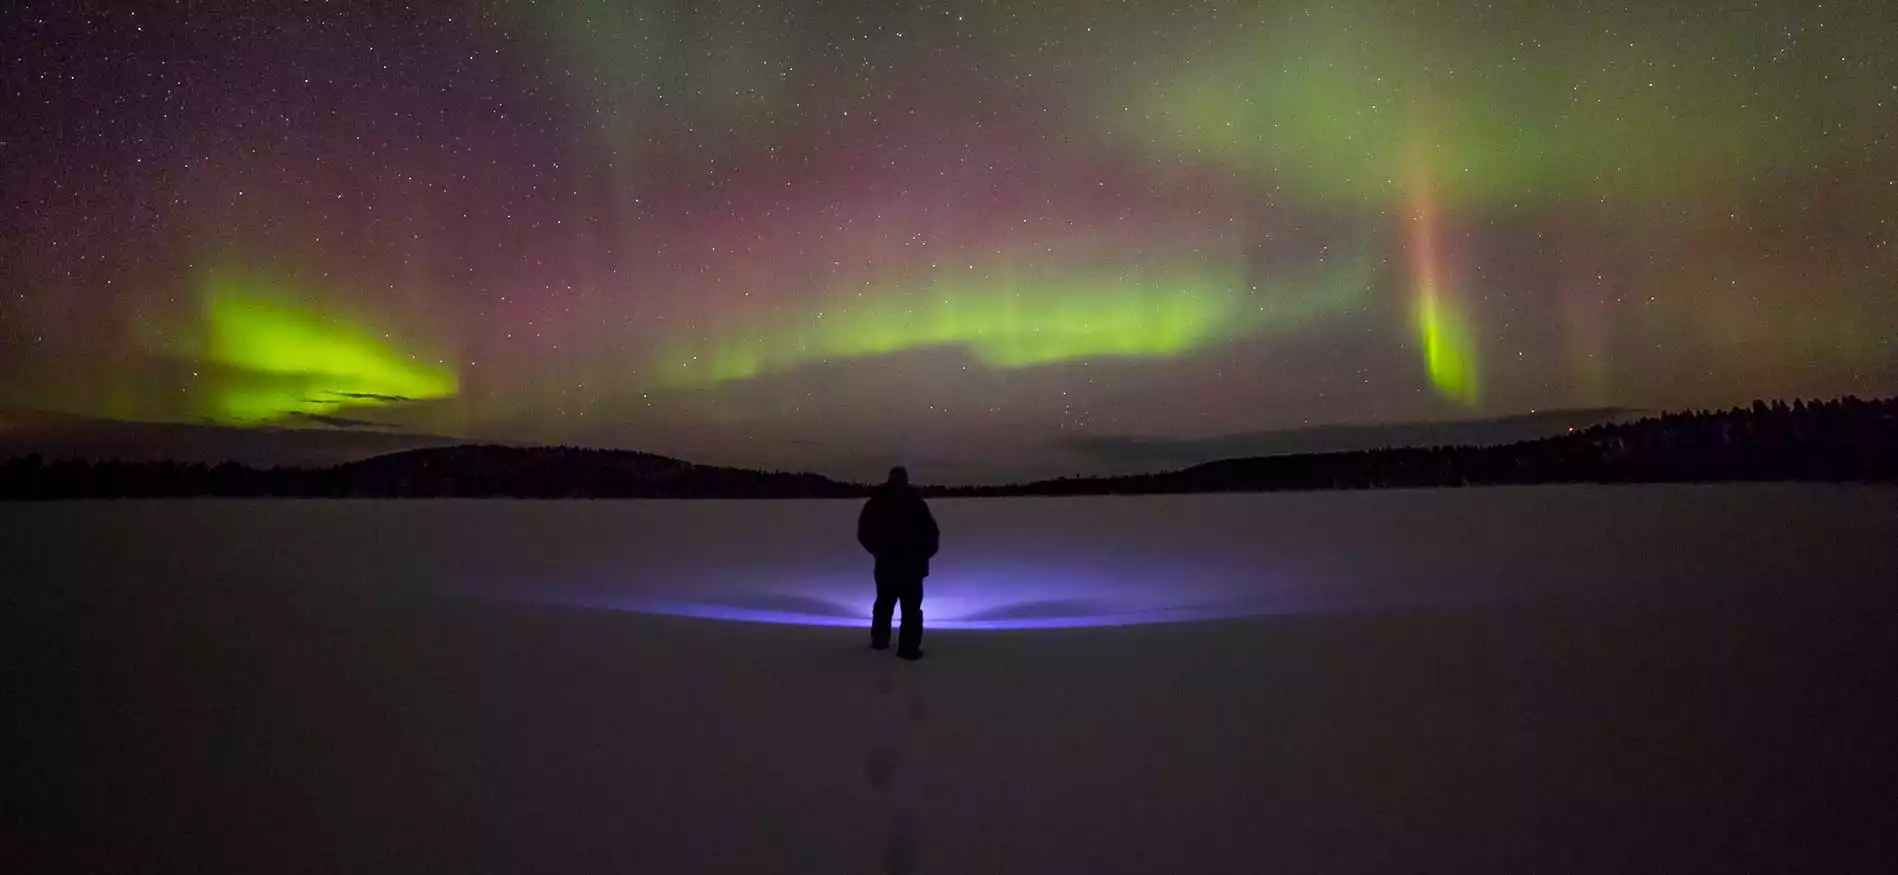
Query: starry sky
x,y
824,234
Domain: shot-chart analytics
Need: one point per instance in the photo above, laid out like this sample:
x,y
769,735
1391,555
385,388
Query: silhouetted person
x,y
897,528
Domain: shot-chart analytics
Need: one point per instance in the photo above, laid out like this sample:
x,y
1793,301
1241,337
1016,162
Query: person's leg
x,y
880,612
909,640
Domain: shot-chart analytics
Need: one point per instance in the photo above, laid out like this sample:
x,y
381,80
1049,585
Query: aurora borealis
x,y
1019,321
816,233
282,361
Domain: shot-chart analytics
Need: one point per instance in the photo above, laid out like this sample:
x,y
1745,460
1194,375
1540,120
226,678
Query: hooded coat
x,y
897,528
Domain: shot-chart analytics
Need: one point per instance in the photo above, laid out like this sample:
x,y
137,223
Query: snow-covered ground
x,y
1502,680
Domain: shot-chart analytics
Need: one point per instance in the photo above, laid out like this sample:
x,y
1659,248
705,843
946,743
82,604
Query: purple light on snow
x,y
970,598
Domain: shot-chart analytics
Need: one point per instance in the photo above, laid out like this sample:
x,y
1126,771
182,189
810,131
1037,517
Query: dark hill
x,y
469,471
565,472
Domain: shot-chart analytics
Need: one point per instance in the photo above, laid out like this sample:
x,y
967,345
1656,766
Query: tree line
x,y
1842,440
1847,439
469,471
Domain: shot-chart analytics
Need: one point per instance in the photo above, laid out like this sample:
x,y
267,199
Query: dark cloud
x,y
58,435
370,396
339,421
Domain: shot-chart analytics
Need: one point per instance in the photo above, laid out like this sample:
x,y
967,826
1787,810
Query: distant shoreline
x,y
1843,440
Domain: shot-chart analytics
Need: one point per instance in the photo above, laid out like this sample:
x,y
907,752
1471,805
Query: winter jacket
x,y
896,527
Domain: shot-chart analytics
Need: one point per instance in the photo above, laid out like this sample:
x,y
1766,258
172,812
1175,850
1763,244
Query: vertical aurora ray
x,y
1441,322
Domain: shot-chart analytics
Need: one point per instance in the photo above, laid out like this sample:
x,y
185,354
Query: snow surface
x,y
1514,679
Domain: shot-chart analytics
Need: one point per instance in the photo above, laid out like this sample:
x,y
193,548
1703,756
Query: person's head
x,y
899,476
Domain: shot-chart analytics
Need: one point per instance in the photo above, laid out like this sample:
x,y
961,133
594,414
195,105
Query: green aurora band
x,y
275,360
1030,319
1328,102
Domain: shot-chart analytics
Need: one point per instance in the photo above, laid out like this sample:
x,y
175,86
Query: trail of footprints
x,y
902,842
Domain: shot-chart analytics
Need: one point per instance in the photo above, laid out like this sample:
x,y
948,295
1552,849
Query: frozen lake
x,y
1547,679
1006,563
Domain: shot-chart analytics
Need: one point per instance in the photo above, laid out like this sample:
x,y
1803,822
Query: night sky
x,y
816,234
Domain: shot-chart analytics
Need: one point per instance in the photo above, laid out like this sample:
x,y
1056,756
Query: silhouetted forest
x,y
469,471
1843,440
